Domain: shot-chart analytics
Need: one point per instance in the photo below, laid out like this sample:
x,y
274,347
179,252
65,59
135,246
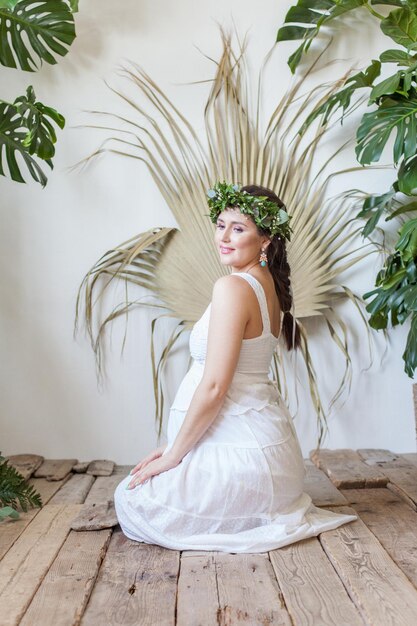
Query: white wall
x,y
50,402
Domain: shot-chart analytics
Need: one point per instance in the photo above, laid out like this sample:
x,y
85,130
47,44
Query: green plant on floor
x,y
27,125
178,266
14,489
394,111
31,32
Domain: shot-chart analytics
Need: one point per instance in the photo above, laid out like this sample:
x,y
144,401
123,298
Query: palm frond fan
x,y
237,149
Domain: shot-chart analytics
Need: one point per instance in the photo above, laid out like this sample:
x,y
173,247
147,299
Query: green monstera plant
x,y
26,125
27,131
393,103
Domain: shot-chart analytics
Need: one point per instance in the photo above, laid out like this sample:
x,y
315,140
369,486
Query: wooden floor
x,y
364,572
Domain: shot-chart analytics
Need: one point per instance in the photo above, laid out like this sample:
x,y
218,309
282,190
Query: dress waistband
x,y
240,377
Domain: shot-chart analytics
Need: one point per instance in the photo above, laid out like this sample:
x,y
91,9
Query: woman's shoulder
x,y
230,283
231,289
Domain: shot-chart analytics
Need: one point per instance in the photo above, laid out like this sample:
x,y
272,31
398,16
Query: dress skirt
x,y
239,489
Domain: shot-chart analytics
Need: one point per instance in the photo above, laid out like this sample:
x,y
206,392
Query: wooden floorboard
x,y
378,587
392,522
12,529
137,584
312,589
362,573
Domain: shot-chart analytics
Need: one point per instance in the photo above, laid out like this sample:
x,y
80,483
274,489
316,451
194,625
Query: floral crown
x,y
266,214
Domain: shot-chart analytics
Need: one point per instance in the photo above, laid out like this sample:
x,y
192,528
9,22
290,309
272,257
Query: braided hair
x,y
278,266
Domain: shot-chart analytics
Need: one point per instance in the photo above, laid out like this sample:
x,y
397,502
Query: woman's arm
x,y
228,318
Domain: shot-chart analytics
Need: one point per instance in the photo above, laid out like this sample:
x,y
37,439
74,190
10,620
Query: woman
x,y
231,475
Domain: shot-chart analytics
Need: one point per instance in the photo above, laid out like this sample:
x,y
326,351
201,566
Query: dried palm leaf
x,y
181,265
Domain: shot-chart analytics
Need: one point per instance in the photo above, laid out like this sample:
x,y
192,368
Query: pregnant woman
x,y
231,475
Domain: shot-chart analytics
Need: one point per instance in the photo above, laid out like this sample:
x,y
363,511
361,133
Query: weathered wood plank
x,y
100,468
26,563
25,464
10,529
248,590
320,488
98,509
96,517
75,490
55,469
392,522
313,592
103,489
81,468
401,474
379,588
346,469
382,458
197,601
64,592
403,482
136,584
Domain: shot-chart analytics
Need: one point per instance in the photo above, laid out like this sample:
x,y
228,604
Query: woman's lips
x,y
224,250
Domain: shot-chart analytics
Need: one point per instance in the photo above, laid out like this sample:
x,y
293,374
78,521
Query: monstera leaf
x,y
304,21
26,130
394,114
47,26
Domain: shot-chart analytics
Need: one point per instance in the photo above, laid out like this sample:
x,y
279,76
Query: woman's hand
x,y
155,454
152,468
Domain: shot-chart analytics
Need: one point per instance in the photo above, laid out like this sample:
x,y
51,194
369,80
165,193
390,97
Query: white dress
x,y
240,488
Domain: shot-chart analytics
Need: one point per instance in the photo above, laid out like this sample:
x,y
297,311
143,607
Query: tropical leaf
x,y
404,208
407,176
41,135
410,352
240,147
373,208
342,98
8,511
13,132
400,57
312,14
394,114
35,29
25,130
401,26
8,4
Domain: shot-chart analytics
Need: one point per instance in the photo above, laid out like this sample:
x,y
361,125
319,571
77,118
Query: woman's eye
x,y
236,229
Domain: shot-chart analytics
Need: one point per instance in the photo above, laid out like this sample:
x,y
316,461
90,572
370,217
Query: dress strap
x,y
260,294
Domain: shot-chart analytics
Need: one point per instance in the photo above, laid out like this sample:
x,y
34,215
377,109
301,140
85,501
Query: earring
x,y
263,258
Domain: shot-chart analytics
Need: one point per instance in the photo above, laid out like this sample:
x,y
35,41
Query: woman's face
x,y
237,239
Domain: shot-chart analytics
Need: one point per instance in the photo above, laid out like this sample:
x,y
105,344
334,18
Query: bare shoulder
x,y
232,287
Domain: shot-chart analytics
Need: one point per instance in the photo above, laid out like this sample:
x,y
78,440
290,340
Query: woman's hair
x,y
278,266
